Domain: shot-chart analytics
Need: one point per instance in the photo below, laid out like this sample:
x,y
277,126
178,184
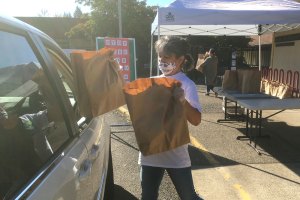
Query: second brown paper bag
x,y
157,117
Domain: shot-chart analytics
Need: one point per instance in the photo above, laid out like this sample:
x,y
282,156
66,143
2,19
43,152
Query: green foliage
x,y
137,18
77,12
82,30
65,14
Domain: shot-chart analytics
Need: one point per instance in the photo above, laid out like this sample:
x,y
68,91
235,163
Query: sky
x,y
50,8
159,2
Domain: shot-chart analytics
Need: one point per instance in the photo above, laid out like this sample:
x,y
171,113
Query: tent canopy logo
x,y
170,17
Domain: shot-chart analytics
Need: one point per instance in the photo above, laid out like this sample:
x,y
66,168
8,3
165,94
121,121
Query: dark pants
x,y
151,178
209,87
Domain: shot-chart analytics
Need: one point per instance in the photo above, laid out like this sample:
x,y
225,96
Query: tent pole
x,y
151,55
259,47
135,71
272,50
259,53
158,36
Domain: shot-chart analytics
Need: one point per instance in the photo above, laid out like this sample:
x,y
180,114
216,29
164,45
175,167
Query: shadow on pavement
x,y
121,193
205,159
119,139
202,159
283,142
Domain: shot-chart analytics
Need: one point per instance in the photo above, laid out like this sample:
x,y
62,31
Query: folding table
x,y
254,109
254,105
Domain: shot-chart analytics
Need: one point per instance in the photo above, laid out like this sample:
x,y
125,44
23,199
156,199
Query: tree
x,y
137,18
136,22
82,30
43,13
77,12
65,14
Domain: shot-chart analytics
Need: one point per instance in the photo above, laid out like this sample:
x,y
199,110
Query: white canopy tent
x,y
225,17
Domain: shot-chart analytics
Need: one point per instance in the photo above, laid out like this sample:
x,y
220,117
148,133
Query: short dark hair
x,y
175,45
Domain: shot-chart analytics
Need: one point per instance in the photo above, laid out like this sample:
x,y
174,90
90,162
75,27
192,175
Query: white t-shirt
x,y
178,157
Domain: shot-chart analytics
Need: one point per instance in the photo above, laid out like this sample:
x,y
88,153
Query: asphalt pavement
x,y
227,168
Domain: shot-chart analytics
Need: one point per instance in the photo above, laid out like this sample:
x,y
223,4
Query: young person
x,y
210,66
173,59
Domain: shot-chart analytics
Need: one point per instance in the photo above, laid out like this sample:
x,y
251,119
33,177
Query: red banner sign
x,y
122,54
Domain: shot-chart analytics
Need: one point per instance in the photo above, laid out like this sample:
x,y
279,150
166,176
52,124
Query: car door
x,y
40,156
88,175
94,134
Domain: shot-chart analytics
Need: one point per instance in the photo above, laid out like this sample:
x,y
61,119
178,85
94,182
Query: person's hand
x,y
178,93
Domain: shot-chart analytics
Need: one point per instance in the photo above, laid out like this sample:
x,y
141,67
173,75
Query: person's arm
x,y
205,64
207,61
192,114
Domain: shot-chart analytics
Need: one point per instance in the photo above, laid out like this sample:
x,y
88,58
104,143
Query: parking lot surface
x,y
227,168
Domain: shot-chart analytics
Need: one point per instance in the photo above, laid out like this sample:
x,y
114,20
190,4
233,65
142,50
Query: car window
x,y
65,74
32,127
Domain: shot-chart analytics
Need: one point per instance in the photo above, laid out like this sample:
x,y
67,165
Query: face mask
x,y
166,68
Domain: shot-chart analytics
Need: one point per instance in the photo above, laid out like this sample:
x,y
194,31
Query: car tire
x,y
109,184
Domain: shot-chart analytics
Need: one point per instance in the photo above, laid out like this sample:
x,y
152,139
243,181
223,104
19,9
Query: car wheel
x,y
109,184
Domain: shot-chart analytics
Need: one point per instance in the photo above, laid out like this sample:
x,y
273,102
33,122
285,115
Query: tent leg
x,y
151,55
259,46
259,52
158,37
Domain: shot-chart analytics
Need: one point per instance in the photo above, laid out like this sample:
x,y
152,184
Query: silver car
x,y
47,150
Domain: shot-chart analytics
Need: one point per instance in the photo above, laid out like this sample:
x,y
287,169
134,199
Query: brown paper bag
x,y
267,84
284,91
157,117
277,89
273,87
263,85
248,81
98,82
230,80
